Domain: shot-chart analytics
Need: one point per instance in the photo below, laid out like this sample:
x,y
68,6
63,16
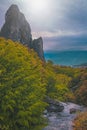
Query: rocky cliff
x,y
37,45
18,29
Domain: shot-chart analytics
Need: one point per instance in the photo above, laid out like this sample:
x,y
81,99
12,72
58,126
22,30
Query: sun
x,y
37,10
38,6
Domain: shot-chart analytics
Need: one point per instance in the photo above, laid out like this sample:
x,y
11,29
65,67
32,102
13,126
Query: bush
x,y
80,123
21,87
81,93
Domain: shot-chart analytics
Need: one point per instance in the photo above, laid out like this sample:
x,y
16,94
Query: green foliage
x,y
25,81
62,86
58,83
70,83
21,87
69,71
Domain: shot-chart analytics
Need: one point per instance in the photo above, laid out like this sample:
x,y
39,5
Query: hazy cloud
x,y
65,26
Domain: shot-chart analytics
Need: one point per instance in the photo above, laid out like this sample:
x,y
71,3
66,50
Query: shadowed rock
x,y
54,106
18,29
37,45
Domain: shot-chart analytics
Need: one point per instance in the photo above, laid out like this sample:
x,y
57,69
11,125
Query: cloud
x,y
76,41
76,15
63,14
58,33
65,26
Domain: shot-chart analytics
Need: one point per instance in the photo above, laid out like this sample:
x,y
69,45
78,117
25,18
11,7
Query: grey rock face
x,y
54,106
18,29
37,45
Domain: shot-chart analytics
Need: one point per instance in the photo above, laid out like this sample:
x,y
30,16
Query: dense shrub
x,y
21,88
81,93
80,123
25,81
58,83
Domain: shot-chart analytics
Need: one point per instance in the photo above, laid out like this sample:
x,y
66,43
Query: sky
x,y
61,23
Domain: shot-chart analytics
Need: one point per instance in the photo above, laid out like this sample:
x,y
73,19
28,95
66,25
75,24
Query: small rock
x,y
45,112
73,110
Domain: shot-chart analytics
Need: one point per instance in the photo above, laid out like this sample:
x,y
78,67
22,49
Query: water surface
x,y
67,58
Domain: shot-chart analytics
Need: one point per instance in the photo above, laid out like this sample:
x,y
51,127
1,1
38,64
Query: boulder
x,y
74,110
54,106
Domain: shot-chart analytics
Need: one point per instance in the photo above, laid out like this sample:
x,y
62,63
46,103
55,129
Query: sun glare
x,y
37,7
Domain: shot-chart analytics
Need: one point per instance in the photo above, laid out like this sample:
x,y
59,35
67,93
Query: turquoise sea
x,y
67,58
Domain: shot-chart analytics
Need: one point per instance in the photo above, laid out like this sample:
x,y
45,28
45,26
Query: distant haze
x,y
61,23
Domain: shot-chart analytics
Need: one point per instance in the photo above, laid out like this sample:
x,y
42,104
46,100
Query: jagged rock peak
x,y
12,10
16,27
37,45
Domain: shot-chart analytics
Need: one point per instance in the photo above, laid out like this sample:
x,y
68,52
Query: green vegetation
x,y
25,81
21,87
58,83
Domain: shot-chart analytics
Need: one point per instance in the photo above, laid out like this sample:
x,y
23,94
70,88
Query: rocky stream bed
x,y
63,120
